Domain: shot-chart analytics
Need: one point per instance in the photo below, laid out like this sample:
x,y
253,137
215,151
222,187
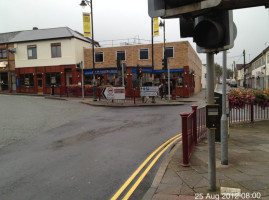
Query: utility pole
x,y
152,56
210,132
82,79
224,119
244,54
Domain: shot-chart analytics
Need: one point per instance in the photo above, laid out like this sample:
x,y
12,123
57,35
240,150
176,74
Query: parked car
x,y
233,83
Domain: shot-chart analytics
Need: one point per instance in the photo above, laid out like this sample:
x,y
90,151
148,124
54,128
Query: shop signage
x,y
3,64
150,91
114,93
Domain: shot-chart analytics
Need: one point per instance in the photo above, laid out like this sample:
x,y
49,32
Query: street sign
x,y
114,93
150,91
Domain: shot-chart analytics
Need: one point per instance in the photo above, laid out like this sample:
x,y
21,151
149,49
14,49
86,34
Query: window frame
x,y
121,51
99,52
1,53
31,47
147,49
172,49
56,45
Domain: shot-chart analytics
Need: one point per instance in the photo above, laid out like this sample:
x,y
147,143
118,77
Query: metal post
x,y
82,80
185,152
210,132
93,63
152,56
122,74
224,119
194,125
168,68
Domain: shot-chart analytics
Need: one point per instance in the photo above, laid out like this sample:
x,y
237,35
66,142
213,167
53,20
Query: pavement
x,y
247,172
199,97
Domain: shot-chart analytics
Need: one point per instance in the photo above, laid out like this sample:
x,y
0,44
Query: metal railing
x,y
193,130
249,113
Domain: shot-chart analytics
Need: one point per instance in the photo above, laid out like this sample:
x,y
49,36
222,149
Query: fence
x,y
249,113
193,129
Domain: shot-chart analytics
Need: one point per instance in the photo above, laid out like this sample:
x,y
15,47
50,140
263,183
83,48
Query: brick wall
x,y
184,55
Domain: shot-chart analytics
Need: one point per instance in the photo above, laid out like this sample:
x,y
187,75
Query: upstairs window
x,y
3,53
56,50
32,54
121,55
169,51
144,54
99,56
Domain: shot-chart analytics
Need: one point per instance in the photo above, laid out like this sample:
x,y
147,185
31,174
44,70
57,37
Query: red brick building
x,y
185,66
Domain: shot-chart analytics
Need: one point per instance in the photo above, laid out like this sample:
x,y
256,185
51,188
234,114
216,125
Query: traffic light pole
x,y
122,74
211,132
224,119
168,68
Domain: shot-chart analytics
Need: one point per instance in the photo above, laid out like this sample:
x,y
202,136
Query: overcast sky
x,y
122,19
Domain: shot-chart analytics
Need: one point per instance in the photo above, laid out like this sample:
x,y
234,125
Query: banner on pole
x,y
156,26
87,24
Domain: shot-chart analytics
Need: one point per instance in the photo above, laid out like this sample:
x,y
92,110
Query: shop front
x,y
41,80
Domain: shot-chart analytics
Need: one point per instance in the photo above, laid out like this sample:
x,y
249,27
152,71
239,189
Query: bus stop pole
x,y
224,119
211,132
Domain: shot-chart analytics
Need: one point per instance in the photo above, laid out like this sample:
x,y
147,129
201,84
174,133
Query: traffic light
x,y
139,73
78,67
164,64
214,32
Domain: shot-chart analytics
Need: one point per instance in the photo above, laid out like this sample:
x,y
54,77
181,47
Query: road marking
x,y
130,179
130,192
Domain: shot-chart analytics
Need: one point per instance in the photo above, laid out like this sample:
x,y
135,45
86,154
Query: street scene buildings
x,y
32,61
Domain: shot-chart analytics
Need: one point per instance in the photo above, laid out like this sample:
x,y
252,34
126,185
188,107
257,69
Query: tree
x,y
218,71
229,73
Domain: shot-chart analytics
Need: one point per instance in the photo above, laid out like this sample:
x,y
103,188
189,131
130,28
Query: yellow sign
x,y
87,24
156,26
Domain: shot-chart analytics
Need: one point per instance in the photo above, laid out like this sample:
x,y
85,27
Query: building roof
x,y
47,34
6,37
239,66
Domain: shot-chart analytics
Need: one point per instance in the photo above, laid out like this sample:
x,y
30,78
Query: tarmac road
x,y
54,149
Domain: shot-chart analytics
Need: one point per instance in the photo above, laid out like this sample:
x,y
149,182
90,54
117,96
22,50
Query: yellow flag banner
x,y
156,26
87,24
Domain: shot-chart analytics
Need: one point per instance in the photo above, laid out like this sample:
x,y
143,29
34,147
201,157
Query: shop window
x,y
88,79
3,53
180,80
32,54
144,54
169,51
121,55
99,56
27,80
56,50
53,78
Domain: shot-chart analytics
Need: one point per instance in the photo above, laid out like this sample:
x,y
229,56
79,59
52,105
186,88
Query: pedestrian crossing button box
x,y
213,115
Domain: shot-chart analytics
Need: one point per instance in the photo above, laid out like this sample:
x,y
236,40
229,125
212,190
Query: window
x,y
144,54
169,51
3,53
56,50
53,78
32,52
121,55
268,58
99,56
27,80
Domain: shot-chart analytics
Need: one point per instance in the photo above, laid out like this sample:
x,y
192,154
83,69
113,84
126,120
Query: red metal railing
x,y
193,129
249,113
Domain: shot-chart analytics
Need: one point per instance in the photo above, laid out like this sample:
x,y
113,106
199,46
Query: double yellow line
x,y
166,145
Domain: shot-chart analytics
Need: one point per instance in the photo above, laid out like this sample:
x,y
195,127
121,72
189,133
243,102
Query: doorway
x,y
39,84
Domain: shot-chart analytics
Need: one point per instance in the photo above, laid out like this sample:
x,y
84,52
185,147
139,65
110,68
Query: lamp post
x,y
83,4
